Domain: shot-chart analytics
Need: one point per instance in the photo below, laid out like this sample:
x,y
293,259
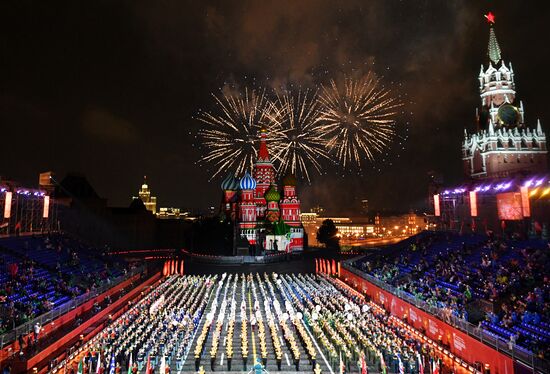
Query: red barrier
x,y
70,316
460,343
80,329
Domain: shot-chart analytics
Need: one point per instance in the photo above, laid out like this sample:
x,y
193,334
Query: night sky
x,y
109,89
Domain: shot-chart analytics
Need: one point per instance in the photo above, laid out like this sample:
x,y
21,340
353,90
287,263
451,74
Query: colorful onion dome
x,y
230,183
247,182
235,185
272,194
289,180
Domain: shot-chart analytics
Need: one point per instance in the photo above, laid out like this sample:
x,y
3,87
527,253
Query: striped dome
x,y
230,183
247,182
289,180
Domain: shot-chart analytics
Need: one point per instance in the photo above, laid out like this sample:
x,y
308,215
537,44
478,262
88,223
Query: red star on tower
x,y
490,18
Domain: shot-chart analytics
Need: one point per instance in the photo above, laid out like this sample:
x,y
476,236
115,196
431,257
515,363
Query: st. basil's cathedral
x,y
264,216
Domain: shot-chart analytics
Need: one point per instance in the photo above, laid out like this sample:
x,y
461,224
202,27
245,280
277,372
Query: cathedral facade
x,y
266,215
503,144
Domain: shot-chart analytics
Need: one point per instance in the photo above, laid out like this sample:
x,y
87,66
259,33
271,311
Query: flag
x,y
364,369
148,369
162,369
342,366
130,364
112,364
435,366
382,363
420,359
401,366
80,367
98,362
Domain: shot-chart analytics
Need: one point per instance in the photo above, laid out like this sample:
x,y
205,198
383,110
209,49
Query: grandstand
x,y
98,311
499,285
45,272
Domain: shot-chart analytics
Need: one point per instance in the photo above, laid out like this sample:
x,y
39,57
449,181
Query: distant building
x,y
317,209
364,207
174,213
356,228
46,181
400,225
144,195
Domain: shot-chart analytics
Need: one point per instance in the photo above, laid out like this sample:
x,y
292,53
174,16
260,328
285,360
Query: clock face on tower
x,y
508,116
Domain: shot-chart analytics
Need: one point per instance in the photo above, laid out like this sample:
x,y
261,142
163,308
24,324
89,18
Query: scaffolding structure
x,y
26,211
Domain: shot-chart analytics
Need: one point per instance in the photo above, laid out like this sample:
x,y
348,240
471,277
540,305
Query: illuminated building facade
x,y
399,225
173,213
144,195
361,229
265,215
503,145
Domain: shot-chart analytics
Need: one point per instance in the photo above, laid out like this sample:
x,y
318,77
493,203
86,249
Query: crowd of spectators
x,y
43,272
456,272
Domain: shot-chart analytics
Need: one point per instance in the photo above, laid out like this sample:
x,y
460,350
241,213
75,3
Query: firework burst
x,y
298,142
230,137
357,118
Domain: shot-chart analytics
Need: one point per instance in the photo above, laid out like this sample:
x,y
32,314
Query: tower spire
x,y
263,154
493,49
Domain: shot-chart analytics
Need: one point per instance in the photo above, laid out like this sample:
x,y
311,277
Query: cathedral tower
x,y
503,144
264,174
247,208
290,204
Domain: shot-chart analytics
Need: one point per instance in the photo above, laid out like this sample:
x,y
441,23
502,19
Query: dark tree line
x,y
327,235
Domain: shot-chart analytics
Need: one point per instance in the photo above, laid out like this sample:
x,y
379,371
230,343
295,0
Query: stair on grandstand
x,y
352,367
305,364
237,362
189,363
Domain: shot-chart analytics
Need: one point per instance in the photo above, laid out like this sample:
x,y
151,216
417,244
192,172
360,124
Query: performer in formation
x,y
312,319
